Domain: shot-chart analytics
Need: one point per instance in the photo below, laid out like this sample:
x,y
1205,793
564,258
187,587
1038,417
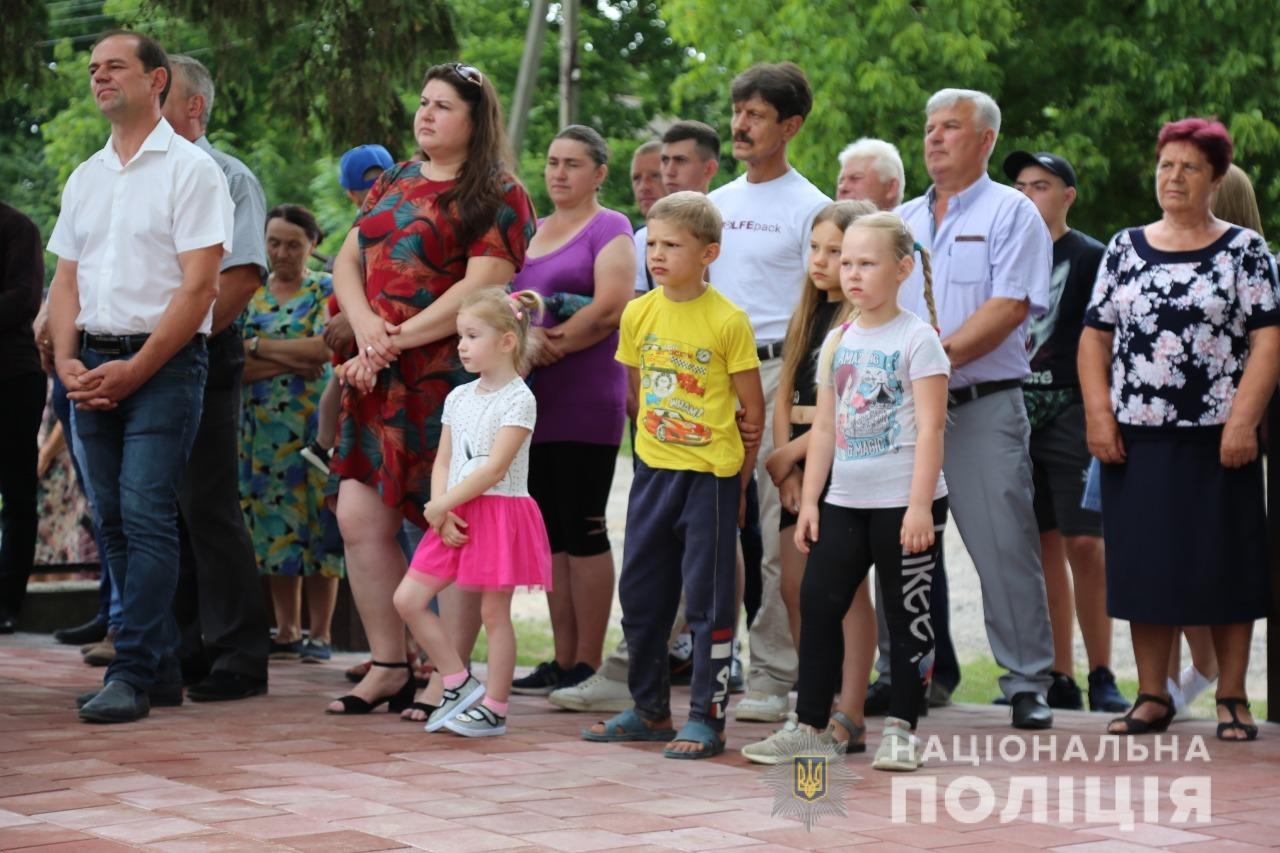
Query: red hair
x,y
1211,137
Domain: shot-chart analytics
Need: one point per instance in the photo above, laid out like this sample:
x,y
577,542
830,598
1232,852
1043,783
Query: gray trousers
x,y
987,464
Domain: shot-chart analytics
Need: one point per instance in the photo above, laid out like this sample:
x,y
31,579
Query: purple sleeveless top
x,y
583,396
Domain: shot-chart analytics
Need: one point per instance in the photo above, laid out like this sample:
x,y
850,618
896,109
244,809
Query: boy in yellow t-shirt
x,y
691,359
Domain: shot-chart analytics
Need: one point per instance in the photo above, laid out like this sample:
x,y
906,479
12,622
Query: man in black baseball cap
x,y
1059,454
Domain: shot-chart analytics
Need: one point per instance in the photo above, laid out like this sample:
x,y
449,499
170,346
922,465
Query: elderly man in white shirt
x,y
992,259
142,230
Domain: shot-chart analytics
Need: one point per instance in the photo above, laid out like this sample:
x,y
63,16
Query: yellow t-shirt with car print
x,y
686,353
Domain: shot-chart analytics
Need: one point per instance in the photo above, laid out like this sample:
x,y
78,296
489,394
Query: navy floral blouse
x,y
1181,323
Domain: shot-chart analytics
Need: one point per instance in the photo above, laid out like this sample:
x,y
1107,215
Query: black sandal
x,y
1137,725
395,702
1250,730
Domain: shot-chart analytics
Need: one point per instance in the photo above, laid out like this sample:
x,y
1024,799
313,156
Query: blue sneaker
x,y
315,651
286,651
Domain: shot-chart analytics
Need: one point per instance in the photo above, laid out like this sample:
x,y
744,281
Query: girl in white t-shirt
x,y
486,531
878,432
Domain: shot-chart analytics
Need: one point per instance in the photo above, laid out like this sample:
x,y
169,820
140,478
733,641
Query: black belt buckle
x,y
114,345
766,352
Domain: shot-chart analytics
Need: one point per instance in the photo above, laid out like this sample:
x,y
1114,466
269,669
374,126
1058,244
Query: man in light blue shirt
x,y
992,259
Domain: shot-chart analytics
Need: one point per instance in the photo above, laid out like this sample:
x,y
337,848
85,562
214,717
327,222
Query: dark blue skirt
x,y
1186,539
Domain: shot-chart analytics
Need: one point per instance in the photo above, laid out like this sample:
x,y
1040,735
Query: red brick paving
x,y
276,774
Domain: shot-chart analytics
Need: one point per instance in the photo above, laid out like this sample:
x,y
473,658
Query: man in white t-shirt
x,y
143,228
768,213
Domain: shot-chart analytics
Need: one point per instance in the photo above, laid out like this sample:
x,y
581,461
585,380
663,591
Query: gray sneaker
x,y
899,749
787,741
454,703
477,721
117,702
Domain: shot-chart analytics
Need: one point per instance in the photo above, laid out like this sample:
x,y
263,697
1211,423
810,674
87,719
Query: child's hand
x,y
750,432
779,465
450,532
358,375
917,530
789,491
435,515
806,527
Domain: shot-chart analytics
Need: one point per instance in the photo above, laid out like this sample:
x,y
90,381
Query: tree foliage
x,y
1089,79
299,81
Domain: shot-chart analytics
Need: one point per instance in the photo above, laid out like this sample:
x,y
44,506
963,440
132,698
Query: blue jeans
x,y
135,456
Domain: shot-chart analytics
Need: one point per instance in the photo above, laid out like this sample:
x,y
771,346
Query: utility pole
x,y
518,121
569,62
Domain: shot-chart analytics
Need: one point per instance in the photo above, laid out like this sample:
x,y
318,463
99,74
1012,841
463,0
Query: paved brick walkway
x,y
276,774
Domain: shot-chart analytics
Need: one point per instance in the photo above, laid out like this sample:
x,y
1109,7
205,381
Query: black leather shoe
x,y
92,631
224,686
1031,711
169,696
8,624
117,702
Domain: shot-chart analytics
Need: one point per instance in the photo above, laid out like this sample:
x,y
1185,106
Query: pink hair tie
x,y
515,306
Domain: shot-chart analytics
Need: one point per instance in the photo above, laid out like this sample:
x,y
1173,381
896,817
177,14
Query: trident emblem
x,y
810,777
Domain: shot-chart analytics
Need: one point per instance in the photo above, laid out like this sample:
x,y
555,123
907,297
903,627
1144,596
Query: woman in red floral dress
x,y
428,234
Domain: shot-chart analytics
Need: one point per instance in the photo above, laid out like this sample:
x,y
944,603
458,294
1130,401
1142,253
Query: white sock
x,y
1193,683
682,648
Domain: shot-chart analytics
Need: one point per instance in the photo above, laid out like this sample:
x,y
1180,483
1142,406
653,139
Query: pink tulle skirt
x,y
508,547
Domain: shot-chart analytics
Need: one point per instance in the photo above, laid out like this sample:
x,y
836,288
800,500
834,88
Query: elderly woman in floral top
x,y
1180,354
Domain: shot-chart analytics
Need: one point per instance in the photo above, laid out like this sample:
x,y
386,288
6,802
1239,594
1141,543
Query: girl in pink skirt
x,y
486,532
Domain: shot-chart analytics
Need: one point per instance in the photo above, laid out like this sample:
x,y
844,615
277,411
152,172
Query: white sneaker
x,y
594,695
899,749
761,708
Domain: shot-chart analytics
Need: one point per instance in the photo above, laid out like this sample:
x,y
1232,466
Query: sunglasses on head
x,y
468,72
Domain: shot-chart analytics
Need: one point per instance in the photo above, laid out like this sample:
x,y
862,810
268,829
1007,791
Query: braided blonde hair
x,y
904,245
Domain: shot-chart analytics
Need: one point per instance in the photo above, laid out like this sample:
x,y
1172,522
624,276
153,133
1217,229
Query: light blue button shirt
x,y
992,242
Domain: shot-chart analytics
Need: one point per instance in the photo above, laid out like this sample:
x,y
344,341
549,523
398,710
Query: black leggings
x,y
849,542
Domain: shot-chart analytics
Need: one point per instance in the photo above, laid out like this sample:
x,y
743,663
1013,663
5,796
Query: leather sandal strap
x,y
401,665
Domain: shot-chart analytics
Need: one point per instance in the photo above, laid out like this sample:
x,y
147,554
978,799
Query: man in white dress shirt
x,y
992,257
142,231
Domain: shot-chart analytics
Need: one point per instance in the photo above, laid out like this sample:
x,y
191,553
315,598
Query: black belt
x,y
765,352
112,344
119,344
969,393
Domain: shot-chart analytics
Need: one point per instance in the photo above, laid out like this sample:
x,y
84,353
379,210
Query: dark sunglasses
x,y
468,72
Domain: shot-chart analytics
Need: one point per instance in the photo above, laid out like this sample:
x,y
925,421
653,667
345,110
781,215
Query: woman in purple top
x,y
582,257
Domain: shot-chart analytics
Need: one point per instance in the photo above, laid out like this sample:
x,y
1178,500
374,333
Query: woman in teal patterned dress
x,y
286,368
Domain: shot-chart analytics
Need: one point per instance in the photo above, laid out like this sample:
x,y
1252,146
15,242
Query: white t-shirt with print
x,y
764,247
871,371
474,418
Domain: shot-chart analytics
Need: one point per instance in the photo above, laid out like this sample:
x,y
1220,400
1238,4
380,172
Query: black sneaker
x,y
1103,693
576,674
544,678
877,701
1064,693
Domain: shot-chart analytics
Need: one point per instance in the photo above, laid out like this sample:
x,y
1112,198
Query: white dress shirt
x,y
992,242
125,225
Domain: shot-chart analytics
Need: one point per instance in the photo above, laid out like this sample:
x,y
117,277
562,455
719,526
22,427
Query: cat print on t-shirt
x,y
869,392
